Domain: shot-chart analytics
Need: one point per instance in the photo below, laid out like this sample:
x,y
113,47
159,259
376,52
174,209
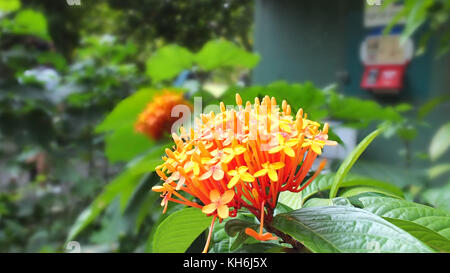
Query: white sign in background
x,y
377,14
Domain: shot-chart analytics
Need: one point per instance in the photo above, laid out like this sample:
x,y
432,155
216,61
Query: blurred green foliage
x,y
416,14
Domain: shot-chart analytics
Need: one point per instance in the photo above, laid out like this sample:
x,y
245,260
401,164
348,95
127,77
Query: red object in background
x,y
383,77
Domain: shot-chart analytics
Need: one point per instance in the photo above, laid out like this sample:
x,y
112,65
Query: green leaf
x,y
124,144
325,202
416,17
346,229
323,182
122,141
360,111
177,232
168,62
438,197
9,5
350,160
161,217
318,202
148,162
53,58
425,235
121,187
30,22
341,201
220,241
431,218
293,200
440,142
430,105
235,227
127,110
221,53
359,190
438,170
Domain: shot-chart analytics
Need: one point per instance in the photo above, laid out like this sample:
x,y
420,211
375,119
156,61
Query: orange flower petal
x,y
206,175
223,211
227,196
210,208
252,233
214,195
218,174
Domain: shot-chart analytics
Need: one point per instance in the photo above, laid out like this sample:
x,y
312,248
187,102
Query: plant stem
x,y
296,245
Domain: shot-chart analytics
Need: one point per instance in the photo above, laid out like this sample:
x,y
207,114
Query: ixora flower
x,y
156,119
242,158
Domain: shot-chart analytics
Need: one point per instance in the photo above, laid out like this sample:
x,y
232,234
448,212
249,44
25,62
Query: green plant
x,y
433,13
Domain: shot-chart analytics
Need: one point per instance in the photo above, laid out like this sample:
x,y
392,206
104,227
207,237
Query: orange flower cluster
x,y
156,119
242,158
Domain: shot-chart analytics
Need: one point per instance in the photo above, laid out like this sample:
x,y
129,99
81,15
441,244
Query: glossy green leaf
x,y
177,232
350,160
346,229
431,218
425,235
293,200
318,202
359,190
168,62
325,202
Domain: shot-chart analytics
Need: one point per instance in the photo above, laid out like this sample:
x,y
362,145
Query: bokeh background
x,y
75,74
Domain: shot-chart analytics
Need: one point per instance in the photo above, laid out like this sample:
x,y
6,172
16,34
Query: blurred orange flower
x,y
156,119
